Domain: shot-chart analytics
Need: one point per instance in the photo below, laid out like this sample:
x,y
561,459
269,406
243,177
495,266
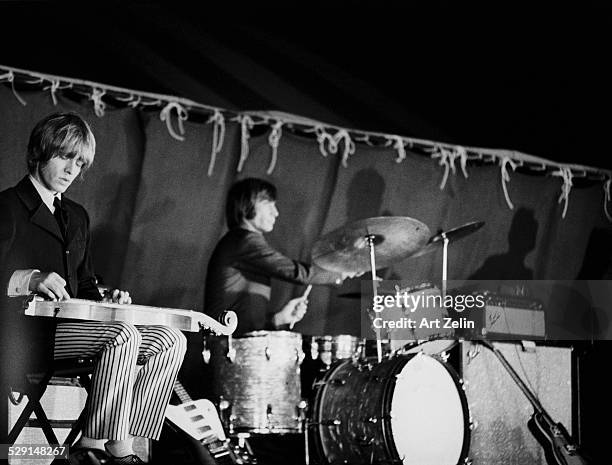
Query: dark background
x,y
522,77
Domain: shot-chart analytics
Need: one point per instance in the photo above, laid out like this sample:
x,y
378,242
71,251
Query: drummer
x,y
243,263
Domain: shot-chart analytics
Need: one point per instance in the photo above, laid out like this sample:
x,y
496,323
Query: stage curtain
x,y
157,215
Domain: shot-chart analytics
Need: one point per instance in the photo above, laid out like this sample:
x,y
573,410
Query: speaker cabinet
x,y
499,409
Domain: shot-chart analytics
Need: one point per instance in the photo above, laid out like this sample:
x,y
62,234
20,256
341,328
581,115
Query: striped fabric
x,y
124,399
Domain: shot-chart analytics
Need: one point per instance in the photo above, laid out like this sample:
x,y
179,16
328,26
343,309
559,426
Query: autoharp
x,y
184,320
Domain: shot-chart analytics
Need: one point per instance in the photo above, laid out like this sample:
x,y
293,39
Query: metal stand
x,y
370,239
306,451
444,265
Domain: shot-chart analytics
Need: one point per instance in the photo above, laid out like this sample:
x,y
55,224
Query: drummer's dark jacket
x,y
239,275
30,238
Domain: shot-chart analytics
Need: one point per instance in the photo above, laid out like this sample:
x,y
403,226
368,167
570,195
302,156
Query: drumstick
x,y
304,297
307,291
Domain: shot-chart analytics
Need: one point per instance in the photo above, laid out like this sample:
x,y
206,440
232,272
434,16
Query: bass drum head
x,y
428,414
408,409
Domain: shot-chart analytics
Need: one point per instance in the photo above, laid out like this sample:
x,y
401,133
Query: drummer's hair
x,y
241,200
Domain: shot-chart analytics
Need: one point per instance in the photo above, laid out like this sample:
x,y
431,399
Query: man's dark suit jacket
x,y
239,275
30,238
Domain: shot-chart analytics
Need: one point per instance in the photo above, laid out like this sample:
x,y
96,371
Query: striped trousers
x,y
124,399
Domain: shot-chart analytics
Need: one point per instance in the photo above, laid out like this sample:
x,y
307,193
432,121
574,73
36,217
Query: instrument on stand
x,y
442,239
559,448
348,249
358,246
199,420
78,309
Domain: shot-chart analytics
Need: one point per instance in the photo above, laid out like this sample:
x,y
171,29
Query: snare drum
x,y
260,377
409,409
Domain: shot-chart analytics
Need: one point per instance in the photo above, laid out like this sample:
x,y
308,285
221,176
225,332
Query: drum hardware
x,y
473,424
225,412
364,367
299,356
442,239
301,408
365,441
377,379
452,235
334,422
351,248
231,352
205,352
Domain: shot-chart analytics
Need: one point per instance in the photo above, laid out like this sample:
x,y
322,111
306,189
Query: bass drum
x,y
410,409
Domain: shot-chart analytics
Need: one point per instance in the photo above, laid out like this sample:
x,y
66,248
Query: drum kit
x,y
403,405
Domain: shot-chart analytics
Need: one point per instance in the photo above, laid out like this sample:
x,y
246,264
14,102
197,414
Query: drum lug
x,y
225,412
314,350
364,441
301,415
318,384
300,410
364,367
268,353
338,382
335,422
299,356
231,355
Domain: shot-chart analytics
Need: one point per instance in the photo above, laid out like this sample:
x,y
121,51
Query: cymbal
x,y
346,249
437,242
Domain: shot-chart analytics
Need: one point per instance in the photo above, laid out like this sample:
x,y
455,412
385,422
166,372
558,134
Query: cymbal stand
x,y
370,238
444,264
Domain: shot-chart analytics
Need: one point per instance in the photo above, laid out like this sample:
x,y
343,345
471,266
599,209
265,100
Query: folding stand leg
x,y
34,396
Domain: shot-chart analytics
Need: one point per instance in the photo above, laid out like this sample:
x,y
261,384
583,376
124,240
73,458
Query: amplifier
x,y
505,317
500,411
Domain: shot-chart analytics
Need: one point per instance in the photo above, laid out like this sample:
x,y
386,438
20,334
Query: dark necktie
x,y
59,216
